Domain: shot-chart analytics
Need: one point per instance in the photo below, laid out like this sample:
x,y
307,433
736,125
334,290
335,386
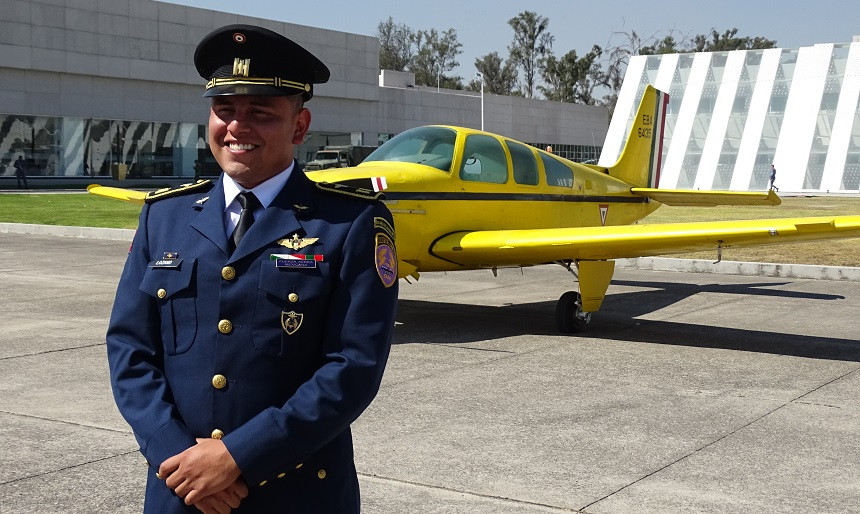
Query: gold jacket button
x,y
225,326
219,381
293,297
321,473
228,272
162,293
217,434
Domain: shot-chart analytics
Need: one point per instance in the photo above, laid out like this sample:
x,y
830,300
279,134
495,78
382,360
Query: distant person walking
x,y
772,178
21,172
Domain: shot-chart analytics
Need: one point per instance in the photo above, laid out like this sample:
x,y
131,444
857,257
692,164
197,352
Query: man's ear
x,y
303,122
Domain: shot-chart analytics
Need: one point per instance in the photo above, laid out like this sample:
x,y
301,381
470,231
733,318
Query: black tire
x,y
566,310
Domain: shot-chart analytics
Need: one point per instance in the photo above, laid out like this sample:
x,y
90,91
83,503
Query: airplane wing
x,y
521,247
117,193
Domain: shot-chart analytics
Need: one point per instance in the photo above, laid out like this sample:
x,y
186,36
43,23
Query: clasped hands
x,y
206,476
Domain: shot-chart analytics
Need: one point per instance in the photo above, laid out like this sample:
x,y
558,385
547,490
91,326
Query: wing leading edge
x,y
522,247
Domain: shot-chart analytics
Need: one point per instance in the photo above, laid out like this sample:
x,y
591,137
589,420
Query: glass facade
x,y
81,147
117,149
732,114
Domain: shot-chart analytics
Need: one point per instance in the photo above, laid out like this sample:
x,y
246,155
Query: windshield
x,y
326,155
430,146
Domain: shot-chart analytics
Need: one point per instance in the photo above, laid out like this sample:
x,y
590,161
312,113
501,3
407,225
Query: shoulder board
x,y
169,192
358,192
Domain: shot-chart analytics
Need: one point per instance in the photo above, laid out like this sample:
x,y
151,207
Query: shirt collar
x,y
265,192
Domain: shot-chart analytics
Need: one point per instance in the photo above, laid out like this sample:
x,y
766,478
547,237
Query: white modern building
x,y
107,89
732,114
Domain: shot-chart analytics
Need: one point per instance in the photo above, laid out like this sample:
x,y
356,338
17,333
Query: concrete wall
x,y
133,60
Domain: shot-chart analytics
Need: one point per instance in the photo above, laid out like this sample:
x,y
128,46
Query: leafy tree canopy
x,y
531,43
437,54
498,78
572,79
396,42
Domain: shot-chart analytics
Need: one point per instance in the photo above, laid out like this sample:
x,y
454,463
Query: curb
x,y
753,269
114,234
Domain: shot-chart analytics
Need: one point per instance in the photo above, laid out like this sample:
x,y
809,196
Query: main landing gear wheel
x,y
569,316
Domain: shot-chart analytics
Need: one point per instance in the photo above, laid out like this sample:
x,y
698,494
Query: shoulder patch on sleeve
x,y
386,259
169,192
357,192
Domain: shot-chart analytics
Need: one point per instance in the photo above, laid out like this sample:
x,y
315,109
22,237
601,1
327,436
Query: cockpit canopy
x,y
430,146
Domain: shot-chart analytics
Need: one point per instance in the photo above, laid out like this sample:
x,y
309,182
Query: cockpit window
x,y
484,160
430,146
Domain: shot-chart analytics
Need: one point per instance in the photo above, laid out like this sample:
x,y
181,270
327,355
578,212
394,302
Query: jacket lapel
x,y
210,221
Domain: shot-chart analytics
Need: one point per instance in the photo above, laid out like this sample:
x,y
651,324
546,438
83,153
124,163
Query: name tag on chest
x,y
295,260
165,263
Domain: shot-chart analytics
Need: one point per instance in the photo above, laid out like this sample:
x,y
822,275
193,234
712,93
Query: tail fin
x,y
642,156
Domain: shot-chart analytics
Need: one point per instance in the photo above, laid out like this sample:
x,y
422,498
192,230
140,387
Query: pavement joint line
x,y
465,493
723,437
56,350
73,466
458,347
64,422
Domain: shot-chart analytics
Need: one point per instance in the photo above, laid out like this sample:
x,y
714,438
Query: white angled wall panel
x,y
834,166
628,94
666,72
755,119
684,123
801,112
727,88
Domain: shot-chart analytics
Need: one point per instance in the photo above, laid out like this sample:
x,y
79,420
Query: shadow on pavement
x,y
427,322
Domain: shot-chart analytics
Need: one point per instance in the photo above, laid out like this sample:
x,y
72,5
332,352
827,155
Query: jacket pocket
x,y
289,310
174,291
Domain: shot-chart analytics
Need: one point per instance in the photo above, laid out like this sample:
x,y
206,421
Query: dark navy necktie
x,y
249,204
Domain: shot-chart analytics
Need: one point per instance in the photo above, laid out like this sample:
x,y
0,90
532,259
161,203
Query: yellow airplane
x,y
467,199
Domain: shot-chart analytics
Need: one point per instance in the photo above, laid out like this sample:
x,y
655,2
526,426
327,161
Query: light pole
x,y
481,76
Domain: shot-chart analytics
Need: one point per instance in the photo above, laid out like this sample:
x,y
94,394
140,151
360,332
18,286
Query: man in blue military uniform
x,y
254,315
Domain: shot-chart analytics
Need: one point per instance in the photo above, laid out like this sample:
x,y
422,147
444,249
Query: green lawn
x,y
81,210
93,211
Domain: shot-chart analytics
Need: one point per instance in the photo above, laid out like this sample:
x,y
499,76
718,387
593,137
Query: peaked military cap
x,y
250,60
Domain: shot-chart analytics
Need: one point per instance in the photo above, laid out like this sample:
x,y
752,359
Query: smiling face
x,y
253,137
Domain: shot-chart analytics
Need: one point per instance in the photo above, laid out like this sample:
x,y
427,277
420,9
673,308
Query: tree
x,y
728,41
395,45
437,53
531,44
572,79
667,45
498,79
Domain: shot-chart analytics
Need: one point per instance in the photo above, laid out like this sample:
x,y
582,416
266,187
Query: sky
x,y
482,26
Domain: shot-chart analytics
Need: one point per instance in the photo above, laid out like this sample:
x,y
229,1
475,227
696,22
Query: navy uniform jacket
x,y
276,361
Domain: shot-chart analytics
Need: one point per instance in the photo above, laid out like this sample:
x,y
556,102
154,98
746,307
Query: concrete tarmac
x,y
688,393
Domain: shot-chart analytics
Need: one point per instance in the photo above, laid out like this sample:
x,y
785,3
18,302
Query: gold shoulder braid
x,y
383,225
170,192
358,192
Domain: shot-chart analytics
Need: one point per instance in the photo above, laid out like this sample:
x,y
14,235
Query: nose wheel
x,y
569,316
